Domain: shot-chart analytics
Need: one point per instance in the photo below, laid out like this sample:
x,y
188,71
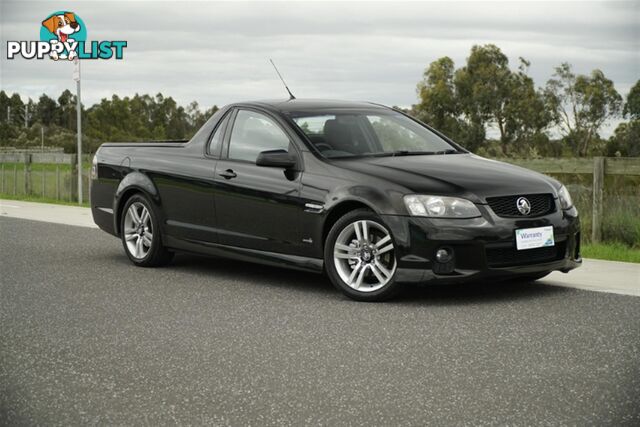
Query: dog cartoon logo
x,y
62,25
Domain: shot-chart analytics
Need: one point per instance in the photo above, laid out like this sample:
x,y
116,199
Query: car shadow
x,y
486,291
253,273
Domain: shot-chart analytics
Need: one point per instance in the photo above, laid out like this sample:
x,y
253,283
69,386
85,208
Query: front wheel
x,y
360,257
140,233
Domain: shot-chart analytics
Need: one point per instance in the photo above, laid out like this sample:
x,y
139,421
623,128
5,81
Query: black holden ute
x,y
362,192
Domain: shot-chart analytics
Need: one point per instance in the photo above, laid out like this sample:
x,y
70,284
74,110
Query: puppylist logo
x,y
63,35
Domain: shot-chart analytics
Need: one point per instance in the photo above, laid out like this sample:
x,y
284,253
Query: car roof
x,y
310,105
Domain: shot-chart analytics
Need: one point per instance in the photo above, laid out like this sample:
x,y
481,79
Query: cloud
x,y
218,53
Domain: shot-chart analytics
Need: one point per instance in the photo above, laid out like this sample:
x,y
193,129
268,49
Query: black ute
x,y
360,191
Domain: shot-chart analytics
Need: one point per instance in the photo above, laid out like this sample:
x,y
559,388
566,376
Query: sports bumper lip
x,y
475,242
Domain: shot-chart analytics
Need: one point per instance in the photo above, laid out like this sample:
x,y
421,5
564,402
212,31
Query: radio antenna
x,y
283,82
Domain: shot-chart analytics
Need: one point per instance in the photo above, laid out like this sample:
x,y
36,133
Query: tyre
x,y
140,233
359,256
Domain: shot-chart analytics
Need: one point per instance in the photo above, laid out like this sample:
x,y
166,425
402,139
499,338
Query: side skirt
x,y
315,265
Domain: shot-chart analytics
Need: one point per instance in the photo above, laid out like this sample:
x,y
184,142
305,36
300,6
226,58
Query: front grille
x,y
509,256
541,204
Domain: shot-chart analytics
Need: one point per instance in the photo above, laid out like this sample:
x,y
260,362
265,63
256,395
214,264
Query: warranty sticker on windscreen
x,y
529,238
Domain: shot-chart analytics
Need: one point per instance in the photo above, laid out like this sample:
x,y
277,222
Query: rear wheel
x,y
140,233
360,257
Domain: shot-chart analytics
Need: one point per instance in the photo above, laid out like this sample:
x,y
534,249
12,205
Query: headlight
x,y
565,198
440,206
94,167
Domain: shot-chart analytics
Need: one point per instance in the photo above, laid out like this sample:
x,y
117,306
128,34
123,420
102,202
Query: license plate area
x,y
530,238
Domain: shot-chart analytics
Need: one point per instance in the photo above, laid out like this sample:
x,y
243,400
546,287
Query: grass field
x,y
611,252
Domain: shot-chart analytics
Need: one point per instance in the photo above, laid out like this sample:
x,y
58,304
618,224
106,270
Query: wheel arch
x,y
339,210
133,183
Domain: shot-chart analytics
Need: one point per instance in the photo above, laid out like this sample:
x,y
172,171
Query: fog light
x,y
443,255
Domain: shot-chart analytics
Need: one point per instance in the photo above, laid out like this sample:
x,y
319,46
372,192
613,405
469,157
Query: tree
x,y
8,133
4,103
67,115
581,105
47,110
440,107
17,110
526,112
484,88
632,106
625,141
438,101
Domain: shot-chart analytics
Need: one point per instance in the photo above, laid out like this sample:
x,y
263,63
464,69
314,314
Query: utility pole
x,y
42,137
76,77
9,114
26,115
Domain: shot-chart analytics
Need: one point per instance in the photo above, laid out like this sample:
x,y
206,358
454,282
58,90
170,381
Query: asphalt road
x,y
87,338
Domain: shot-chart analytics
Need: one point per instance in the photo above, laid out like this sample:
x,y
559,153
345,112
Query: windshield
x,y
349,134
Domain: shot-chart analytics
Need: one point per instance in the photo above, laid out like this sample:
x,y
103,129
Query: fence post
x,y
27,174
598,184
88,186
44,172
3,177
57,182
15,179
73,184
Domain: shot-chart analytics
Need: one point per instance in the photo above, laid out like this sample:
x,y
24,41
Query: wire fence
x,y
55,181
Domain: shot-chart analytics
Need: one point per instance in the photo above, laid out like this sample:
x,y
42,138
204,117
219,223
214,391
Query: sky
x,y
218,52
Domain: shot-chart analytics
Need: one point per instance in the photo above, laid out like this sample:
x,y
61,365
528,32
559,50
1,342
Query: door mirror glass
x,y
276,158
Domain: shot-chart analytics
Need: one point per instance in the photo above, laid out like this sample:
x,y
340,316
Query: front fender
x,y
378,201
133,182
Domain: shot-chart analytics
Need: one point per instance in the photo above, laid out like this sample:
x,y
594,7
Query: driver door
x,y
257,207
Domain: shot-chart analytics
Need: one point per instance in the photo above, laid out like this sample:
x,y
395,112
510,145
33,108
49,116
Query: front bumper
x,y
483,247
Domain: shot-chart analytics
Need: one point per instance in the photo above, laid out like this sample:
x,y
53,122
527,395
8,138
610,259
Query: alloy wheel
x,y
364,256
138,230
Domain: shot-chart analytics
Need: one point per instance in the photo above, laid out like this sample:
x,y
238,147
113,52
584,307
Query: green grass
x,y
40,199
611,252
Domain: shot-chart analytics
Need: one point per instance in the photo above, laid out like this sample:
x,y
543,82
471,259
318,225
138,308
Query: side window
x,y
216,139
253,133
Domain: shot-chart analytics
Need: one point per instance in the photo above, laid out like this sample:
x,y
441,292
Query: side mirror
x,y
277,159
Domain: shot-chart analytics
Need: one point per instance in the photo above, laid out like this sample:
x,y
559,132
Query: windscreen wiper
x,y
403,153
448,151
398,153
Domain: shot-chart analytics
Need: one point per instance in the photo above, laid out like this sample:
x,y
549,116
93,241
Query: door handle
x,y
228,174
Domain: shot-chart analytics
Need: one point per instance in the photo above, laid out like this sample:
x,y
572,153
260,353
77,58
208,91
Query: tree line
x,y
137,118
487,93
563,118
